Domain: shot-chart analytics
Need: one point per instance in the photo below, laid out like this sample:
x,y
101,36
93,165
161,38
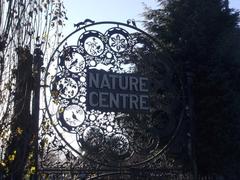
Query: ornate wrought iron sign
x,y
98,76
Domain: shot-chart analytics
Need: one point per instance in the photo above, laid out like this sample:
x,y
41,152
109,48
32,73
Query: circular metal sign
x,y
112,137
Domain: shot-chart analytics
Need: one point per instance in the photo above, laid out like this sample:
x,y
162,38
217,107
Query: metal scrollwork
x,y
111,138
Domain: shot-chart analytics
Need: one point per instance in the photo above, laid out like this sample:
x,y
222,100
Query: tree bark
x,y
22,131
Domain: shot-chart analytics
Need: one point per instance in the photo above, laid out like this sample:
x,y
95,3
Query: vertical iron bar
x,y
37,63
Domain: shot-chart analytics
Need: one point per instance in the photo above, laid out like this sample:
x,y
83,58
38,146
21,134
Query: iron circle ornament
x,y
128,136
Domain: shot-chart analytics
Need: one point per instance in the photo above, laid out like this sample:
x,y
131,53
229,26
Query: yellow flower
x,y
33,170
19,131
11,157
61,110
2,164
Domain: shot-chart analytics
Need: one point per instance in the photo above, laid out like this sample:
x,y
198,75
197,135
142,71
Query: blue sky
x,y
235,4
100,10
104,10
110,10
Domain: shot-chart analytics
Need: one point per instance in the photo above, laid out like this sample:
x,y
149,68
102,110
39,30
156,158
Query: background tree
x,y
202,37
24,27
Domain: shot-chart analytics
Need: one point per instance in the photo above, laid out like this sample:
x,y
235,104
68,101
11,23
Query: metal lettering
x,y
114,100
123,84
133,83
93,80
133,101
91,103
105,83
143,84
113,82
124,100
144,104
103,100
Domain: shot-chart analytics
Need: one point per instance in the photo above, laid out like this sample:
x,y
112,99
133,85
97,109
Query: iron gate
x,y
77,142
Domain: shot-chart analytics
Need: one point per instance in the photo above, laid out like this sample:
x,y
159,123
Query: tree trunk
x,y
22,131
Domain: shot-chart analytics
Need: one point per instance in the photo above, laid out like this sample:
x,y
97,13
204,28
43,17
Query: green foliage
x,y
218,107
205,35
